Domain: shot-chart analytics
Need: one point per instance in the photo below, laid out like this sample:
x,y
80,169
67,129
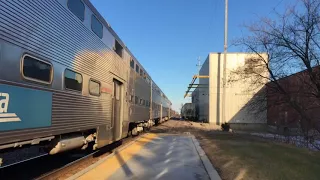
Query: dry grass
x,y
238,156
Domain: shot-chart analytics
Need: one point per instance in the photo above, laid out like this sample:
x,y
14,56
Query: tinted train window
x,y
94,88
96,26
131,98
136,100
118,48
72,80
137,68
77,8
141,72
37,70
132,63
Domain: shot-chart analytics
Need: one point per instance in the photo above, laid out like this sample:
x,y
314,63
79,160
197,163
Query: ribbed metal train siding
x,y
79,111
48,29
138,86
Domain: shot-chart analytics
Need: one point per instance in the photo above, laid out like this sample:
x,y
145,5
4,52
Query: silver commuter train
x,y
67,80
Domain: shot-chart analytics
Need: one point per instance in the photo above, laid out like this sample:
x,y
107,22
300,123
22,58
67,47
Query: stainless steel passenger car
x,y
67,80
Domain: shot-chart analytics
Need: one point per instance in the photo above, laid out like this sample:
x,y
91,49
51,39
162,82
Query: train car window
x,y
96,26
136,99
72,80
77,8
141,72
143,102
118,48
132,63
94,88
36,70
137,68
144,75
131,98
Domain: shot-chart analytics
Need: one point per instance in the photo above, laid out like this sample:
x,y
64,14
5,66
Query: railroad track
x,y
58,172
60,166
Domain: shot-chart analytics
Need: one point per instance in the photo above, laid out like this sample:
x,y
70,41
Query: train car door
x,y
116,109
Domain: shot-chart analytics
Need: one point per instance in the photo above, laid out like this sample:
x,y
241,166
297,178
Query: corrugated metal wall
x,y
210,99
237,94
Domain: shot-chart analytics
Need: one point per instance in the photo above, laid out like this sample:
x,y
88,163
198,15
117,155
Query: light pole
x,y
224,62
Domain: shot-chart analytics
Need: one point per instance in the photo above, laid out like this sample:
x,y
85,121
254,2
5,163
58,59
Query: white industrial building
x,y
208,97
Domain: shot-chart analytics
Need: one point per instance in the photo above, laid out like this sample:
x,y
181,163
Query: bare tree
x,y
292,43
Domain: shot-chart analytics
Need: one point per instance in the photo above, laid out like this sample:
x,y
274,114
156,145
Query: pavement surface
x,y
154,156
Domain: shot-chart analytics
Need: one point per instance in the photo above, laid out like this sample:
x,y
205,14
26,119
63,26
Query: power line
x,y
274,8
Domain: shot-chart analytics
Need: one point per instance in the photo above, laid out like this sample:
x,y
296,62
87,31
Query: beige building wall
x,y
215,87
237,97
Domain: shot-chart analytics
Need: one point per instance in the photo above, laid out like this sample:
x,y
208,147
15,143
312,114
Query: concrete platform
x,y
154,156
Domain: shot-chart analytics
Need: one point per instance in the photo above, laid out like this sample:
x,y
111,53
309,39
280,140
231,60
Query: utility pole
x,y
224,62
151,102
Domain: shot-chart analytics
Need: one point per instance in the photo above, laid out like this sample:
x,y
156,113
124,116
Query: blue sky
x,y
167,36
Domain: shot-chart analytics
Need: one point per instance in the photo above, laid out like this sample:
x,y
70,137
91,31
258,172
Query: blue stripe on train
x,y
22,108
